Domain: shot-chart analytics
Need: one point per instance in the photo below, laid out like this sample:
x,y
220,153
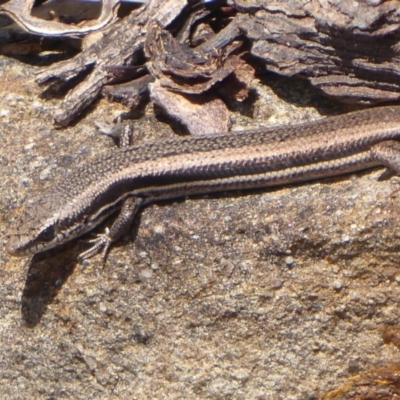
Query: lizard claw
x,y
102,242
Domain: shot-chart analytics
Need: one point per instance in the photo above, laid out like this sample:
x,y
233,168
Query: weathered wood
x,y
119,46
347,49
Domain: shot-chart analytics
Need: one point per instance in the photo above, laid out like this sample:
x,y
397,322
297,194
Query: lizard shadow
x,y
49,271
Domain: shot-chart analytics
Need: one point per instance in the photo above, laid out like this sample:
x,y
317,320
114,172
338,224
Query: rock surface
x,y
281,294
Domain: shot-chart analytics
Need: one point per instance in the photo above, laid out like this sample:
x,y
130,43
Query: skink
x,y
132,177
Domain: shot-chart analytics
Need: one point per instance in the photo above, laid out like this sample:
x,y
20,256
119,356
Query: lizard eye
x,y
48,234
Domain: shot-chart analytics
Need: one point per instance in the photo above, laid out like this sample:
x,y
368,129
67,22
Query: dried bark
x,y
347,49
204,114
119,46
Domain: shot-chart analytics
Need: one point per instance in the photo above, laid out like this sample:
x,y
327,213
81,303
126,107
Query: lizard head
x,y
39,228
33,231
49,222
